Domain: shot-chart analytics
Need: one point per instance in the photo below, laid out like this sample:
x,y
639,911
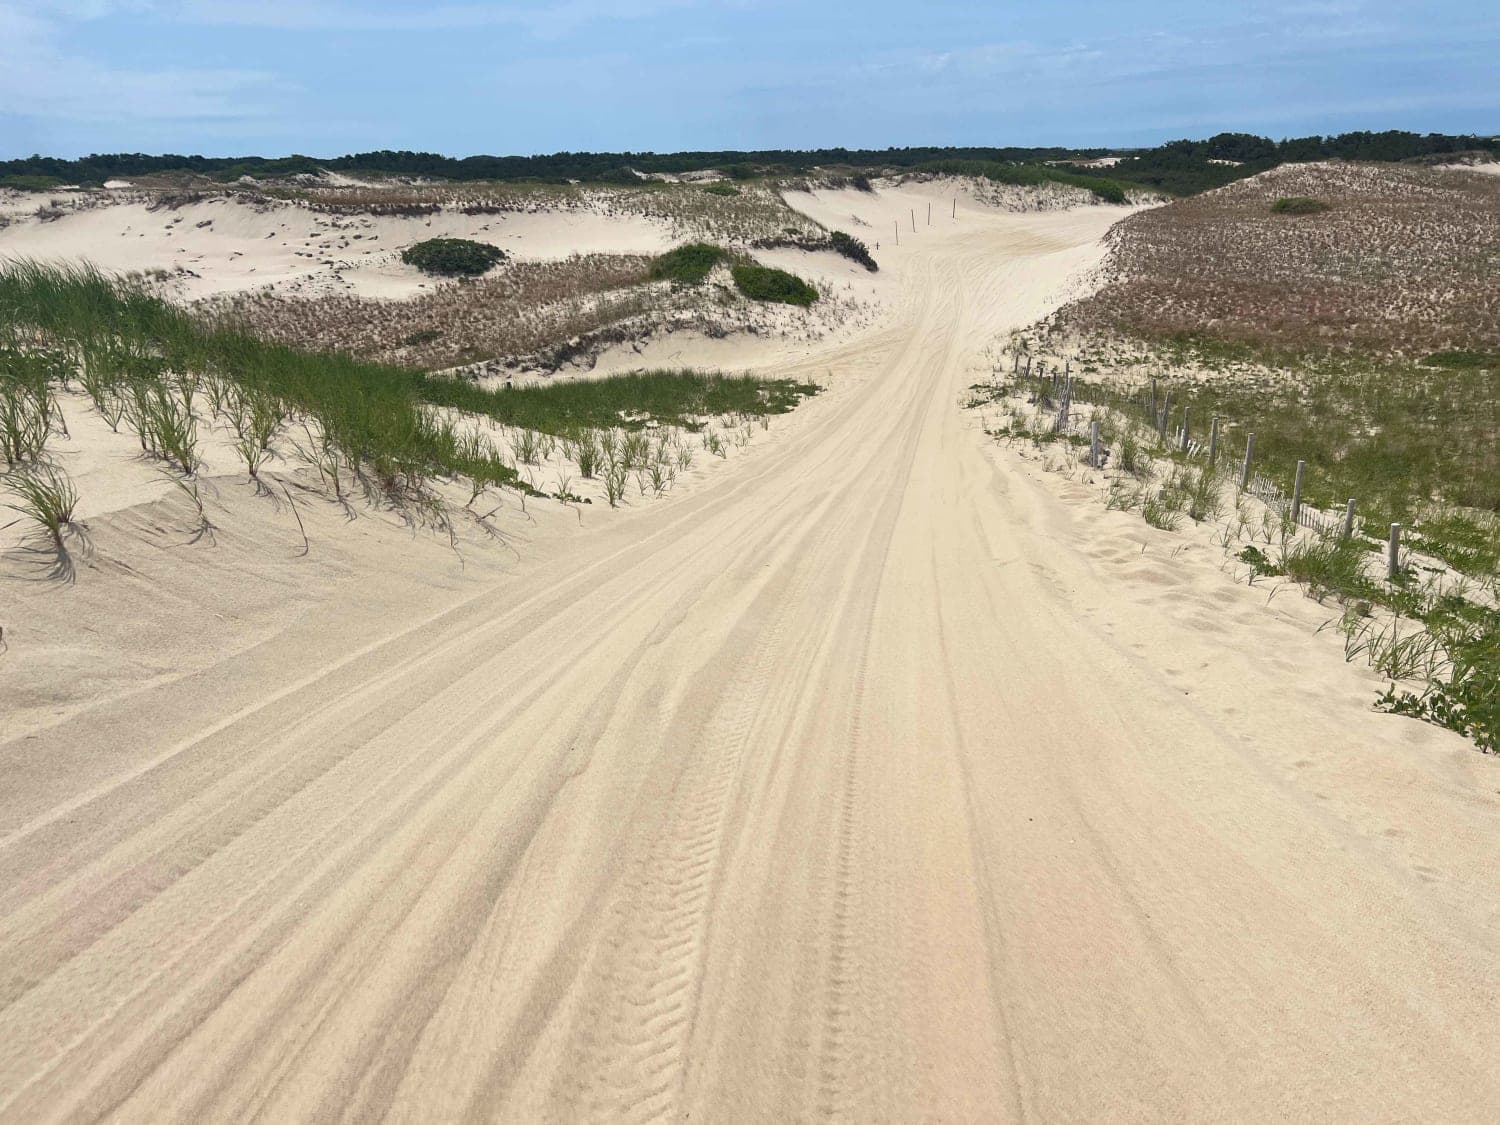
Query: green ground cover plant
x,y
763,283
453,257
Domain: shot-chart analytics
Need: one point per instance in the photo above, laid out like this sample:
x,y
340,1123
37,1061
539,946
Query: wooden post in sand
x,y
929,213
1297,491
955,208
1094,444
1348,529
1166,412
1184,444
914,220
898,233
1153,402
1213,440
1249,456
1393,553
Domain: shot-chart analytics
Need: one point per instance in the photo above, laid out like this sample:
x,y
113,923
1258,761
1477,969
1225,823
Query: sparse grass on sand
x,y
1401,261
159,369
1412,445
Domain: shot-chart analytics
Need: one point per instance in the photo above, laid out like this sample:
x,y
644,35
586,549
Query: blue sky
x,y
325,77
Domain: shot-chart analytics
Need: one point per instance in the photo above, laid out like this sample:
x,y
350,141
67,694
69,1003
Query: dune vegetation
x,y
165,374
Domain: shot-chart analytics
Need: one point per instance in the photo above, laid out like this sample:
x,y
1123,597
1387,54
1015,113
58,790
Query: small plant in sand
x,y
47,495
453,257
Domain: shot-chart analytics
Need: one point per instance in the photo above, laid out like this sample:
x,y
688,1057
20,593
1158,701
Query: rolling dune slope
x,y
872,780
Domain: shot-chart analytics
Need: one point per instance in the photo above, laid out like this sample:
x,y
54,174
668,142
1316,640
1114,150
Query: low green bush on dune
x,y
453,257
762,283
688,264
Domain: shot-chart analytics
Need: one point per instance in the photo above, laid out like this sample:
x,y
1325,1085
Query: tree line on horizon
x,y
1179,167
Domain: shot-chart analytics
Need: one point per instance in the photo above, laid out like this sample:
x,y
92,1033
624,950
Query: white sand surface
x,y
227,245
873,777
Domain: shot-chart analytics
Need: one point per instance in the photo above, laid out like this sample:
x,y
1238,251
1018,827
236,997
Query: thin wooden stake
x,y
1297,491
1348,531
1213,440
1393,553
1094,444
1249,456
1184,444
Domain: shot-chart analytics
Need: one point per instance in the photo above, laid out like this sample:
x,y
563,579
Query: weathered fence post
x,y
1393,553
929,213
1185,412
1348,531
1249,458
1213,441
898,231
955,207
1153,402
1297,491
1166,412
1094,444
914,220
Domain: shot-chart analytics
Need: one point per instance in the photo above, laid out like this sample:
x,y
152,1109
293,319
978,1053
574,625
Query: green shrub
x,y
721,188
1298,205
852,248
689,264
453,257
762,283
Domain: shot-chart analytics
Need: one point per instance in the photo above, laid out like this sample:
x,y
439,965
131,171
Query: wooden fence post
x,y
1249,457
1349,519
1094,444
955,207
929,213
1161,421
1213,441
1185,412
1297,491
1393,553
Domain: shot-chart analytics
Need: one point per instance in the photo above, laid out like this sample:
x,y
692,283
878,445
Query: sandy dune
x,y
872,779
228,245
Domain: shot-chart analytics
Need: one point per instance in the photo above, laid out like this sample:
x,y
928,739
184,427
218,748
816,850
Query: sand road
x,y
872,781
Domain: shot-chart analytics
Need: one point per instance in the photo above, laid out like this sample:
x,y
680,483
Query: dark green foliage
x,y
29,183
453,257
1299,205
1180,167
1463,359
1028,175
688,264
762,283
721,188
1260,562
852,248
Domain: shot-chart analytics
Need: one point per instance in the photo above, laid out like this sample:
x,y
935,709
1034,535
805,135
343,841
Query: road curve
x,y
872,781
